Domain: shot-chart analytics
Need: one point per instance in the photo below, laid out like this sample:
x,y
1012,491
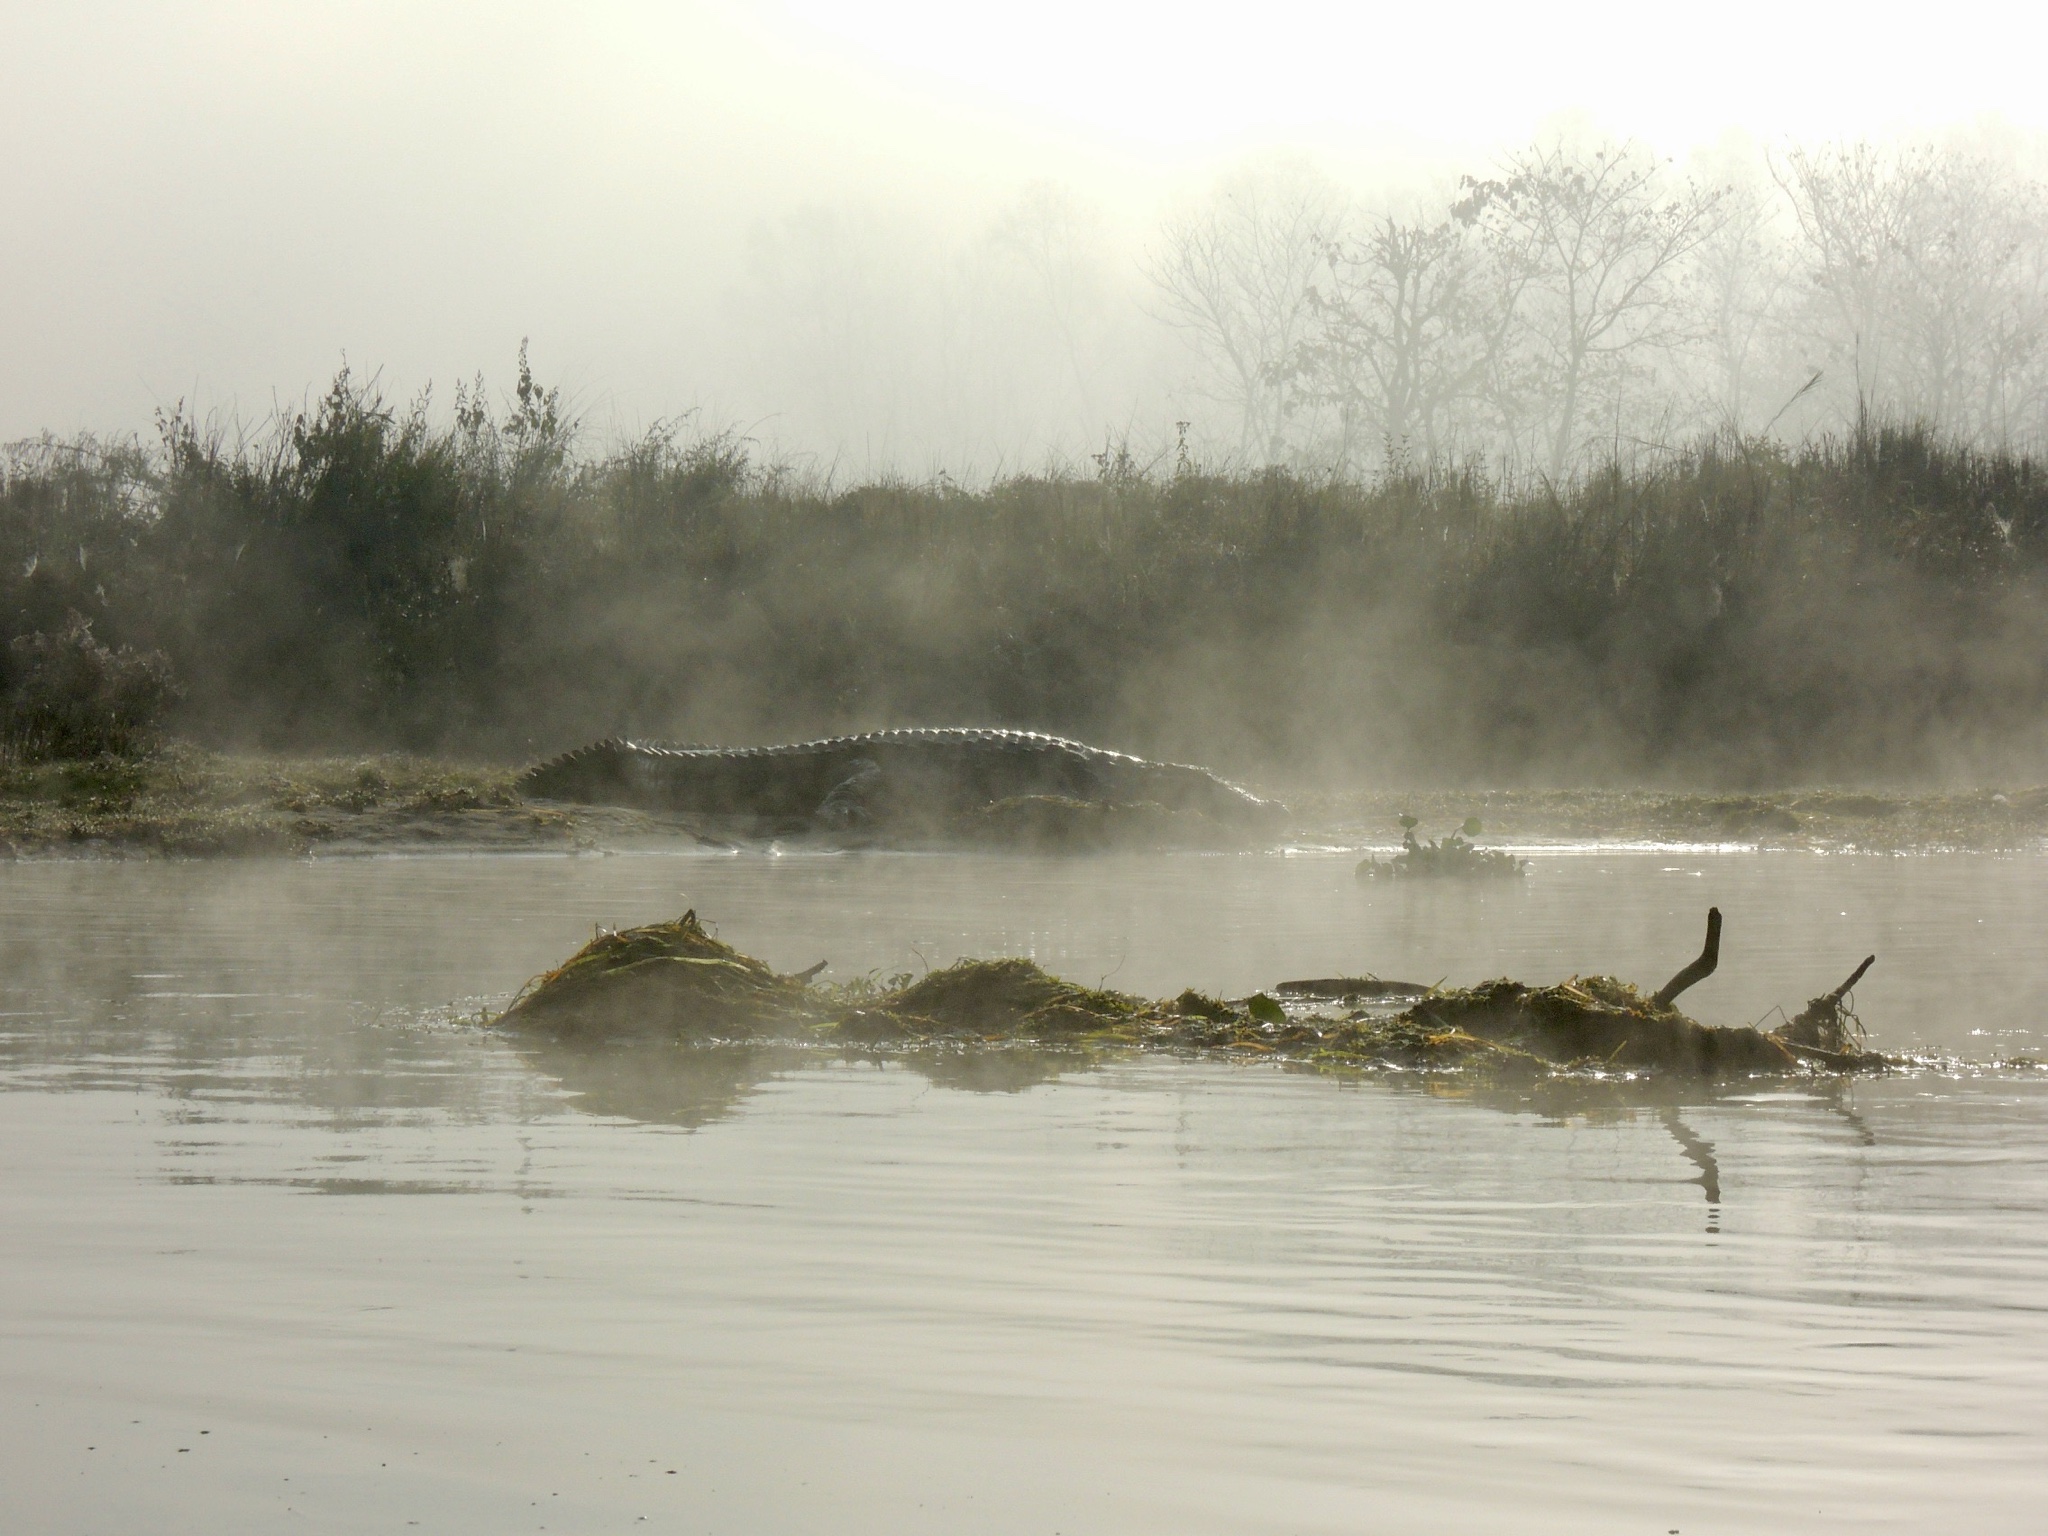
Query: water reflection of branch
x,y
1833,1098
1699,1152
1615,1101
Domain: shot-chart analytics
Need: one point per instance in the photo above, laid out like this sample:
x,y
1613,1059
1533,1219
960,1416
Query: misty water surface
x,y
293,1245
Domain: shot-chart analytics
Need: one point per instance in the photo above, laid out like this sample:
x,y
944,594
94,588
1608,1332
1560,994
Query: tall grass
x,y
1865,607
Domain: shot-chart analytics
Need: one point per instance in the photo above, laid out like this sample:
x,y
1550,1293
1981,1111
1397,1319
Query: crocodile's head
x,y
1196,789
1243,808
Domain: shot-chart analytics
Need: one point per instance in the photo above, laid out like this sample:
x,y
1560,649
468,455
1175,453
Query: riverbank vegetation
x,y
183,800
369,577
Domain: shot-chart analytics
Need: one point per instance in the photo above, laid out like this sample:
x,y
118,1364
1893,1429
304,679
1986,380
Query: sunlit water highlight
x,y
289,1246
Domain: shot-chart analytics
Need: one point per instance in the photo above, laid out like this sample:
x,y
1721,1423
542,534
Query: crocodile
x,y
932,782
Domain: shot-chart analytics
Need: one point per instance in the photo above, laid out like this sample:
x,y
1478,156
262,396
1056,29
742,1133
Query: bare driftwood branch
x,y
1834,998
1824,1024
1701,968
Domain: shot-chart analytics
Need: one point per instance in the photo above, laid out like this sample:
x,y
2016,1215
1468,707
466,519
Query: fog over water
x,y
890,237
1643,404
293,1245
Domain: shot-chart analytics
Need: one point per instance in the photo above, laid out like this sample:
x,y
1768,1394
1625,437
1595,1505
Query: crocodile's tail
x,y
598,774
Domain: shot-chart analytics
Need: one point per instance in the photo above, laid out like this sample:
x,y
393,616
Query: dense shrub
x,y
1870,607
69,696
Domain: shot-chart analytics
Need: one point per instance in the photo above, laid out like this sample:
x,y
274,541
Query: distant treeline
x,y
1588,295
364,577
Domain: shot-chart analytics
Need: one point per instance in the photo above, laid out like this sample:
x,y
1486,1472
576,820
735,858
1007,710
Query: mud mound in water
x,y
1009,999
1598,1021
676,981
668,978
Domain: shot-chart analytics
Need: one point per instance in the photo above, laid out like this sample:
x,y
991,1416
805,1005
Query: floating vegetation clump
x,y
1453,856
675,980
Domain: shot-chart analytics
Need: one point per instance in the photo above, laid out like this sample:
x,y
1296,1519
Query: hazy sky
x,y
216,201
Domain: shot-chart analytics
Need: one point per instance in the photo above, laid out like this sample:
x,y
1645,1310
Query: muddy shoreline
x,y
185,802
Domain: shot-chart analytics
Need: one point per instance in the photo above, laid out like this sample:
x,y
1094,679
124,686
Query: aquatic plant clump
x,y
1453,856
676,980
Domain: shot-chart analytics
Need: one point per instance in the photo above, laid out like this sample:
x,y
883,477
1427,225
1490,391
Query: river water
x,y
290,1244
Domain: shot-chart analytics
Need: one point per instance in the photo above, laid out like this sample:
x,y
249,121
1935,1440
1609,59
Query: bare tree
x,y
1587,248
1404,335
1236,273
1058,240
1739,288
1853,219
1588,289
1924,277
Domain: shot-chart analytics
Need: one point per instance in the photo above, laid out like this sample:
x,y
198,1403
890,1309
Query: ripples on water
x,y
290,1245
